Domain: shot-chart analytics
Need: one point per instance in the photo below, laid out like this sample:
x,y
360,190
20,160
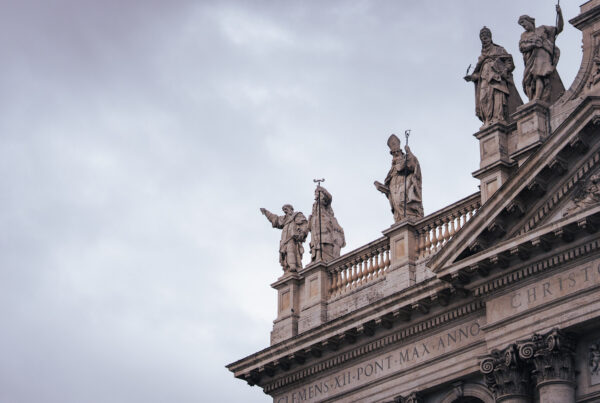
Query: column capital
x,y
506,374
552,354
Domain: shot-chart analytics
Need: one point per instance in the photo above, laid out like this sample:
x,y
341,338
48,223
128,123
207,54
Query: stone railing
x,y
359,267
435,230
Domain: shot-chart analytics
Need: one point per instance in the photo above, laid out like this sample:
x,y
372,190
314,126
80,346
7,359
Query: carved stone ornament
x,y
506,374
326,235
540,54
496,96
594,362
552,355
403,183
595,74
586,195
294,231
414,397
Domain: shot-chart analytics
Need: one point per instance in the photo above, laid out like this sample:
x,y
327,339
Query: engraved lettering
x,y
585,270
368,370
514,299
462,333
531,296
425,349
404,357
451,336
379,365
415,353
546,287
441,344
475,332
571,278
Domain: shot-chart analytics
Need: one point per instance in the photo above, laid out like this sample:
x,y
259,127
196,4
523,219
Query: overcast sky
x,y
138,140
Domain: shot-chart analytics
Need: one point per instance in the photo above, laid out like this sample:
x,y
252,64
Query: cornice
x,y
403,335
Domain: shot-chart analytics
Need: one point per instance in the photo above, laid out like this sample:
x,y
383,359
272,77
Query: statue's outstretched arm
x,y
273,218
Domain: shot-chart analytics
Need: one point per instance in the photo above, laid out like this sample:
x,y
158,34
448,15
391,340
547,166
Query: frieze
x,y
537,267
386,364
405,334
563,284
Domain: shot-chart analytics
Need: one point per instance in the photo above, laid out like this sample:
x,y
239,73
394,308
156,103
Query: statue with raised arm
x,y
326,235
540,54
496,96
294,231
402,185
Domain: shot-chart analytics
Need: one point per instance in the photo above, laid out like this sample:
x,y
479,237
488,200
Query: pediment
x,y
555,182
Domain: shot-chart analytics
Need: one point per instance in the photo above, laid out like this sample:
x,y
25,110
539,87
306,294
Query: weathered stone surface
x,y
326,235
295,230
496,96
402,186
540,54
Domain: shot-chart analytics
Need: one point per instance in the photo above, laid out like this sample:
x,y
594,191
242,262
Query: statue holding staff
x,y
540,54
326,235
402,186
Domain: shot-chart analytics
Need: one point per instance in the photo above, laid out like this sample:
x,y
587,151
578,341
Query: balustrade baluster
x,y
427,241
445,235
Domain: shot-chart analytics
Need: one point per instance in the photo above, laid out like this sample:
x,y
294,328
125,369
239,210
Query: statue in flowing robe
x,y
294,231
326,235
496,96
540,54
403,183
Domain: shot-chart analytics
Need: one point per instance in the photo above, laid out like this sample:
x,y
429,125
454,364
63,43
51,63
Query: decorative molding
x,y
547,263
543,211
400,336
506,373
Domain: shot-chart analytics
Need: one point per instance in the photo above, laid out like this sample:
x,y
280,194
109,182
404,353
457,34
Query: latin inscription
x,y
560,285
385,364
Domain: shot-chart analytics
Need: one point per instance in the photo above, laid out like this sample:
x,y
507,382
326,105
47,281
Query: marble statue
x,y
402,185
496,96
295,230
326,235
540,54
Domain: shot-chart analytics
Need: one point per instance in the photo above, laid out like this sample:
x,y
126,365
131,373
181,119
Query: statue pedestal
x,y
496,165
288,301
313,302
403,254
532,129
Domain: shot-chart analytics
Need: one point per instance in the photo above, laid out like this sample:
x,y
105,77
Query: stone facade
x,y
495,298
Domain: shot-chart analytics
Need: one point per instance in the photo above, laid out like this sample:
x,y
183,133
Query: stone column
x,y
507,376
552,355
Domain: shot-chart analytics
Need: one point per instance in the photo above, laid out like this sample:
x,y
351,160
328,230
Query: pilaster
x,y
313,301
288,303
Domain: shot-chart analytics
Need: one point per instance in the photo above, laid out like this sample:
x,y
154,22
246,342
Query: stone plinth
x,y
288,303
313,302
495,164
403,253
532,129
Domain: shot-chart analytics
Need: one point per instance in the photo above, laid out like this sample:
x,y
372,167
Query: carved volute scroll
x,y
506,374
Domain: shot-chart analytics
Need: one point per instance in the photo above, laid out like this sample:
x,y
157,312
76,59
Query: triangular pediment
x,y
555,182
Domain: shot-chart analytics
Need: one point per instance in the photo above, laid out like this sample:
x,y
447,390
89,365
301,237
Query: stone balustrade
x,y
435,230
359,267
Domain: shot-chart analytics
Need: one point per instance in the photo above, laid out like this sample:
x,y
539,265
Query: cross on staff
x,y
318,182
406,135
